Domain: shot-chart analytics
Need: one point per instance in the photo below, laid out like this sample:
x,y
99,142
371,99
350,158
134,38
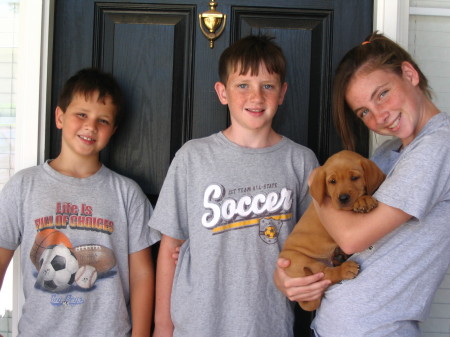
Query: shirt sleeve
x,y
170,215
10,228
140,235
418,180
310,164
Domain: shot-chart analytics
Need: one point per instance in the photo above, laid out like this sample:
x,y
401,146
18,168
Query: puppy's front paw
x,y
349,270
364,204
339,257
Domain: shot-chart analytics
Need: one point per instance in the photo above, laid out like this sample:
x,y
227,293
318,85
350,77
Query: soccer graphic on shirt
x,y
266,209
59,264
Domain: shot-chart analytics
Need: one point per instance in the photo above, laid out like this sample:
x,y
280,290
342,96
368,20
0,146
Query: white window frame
x,y
33,92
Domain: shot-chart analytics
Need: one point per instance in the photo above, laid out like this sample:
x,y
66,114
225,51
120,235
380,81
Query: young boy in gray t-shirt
x,y
82,228
230,200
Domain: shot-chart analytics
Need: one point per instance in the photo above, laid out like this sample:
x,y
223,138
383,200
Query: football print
x,y
100,257
58,266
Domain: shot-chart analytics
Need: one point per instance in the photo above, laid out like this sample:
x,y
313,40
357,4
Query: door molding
x,y
33,93
250,20
391,17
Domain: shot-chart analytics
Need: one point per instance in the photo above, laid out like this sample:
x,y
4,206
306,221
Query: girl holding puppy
x,y
402,246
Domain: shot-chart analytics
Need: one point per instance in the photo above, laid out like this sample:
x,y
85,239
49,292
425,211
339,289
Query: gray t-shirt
x,y
400,272
105,216
234,206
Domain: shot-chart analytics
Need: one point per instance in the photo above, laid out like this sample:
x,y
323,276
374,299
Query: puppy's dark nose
x,y
344,198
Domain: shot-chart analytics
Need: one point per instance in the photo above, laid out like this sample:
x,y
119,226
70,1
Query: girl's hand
x,y
306,288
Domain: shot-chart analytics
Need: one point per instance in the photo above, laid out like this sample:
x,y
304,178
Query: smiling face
x,y
388,104
252,99
87,125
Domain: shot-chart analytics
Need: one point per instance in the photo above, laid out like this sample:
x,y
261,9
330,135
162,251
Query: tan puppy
x,y
349,180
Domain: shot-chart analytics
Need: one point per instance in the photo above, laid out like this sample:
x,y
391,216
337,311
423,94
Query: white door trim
x,y
32,104
390,17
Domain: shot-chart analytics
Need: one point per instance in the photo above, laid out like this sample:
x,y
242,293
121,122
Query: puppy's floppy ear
x,y
318,185
372,174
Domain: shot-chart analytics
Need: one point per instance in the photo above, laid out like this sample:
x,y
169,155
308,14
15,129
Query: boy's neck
x,y
252,139
82,168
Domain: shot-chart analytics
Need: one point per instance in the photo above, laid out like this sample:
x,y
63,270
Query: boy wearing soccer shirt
x,y
230,200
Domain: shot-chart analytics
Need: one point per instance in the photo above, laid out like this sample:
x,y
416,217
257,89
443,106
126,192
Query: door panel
x,y
167,71
304,115
125,40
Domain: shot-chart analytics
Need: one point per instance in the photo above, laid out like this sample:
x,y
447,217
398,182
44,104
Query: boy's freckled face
x,y
87,124
252,100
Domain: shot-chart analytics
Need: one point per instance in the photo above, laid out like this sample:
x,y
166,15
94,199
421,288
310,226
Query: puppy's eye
x,y
332,181
354,178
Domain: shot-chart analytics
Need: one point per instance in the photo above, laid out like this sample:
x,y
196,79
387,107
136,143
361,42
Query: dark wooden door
x,y
167,69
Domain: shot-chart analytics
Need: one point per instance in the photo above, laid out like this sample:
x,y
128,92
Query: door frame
x,y
32,103
34,84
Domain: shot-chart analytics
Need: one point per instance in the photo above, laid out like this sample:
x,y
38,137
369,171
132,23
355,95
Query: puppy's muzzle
x,y
344,198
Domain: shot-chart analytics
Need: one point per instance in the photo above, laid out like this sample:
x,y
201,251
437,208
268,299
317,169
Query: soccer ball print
x,y
58,267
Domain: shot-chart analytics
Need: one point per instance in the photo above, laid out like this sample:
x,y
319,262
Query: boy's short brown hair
x,y
87,81
248,53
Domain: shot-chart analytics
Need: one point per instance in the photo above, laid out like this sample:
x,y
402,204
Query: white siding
x,y
429,44
438,323
8,78
9,37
